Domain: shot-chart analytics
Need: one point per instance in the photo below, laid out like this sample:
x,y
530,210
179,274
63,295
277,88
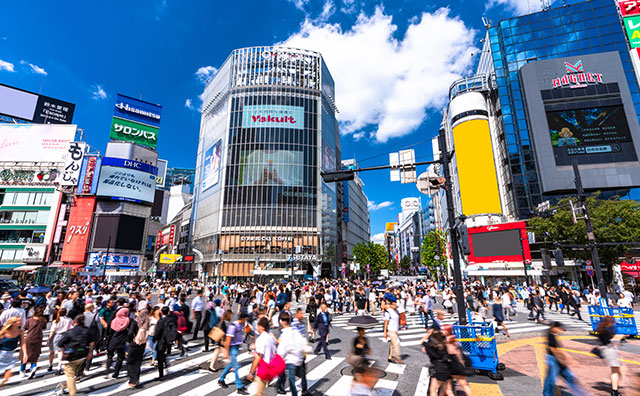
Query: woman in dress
x,y
50,306
154,317
606,331
33,342
138,336
60,325
434,345
11,336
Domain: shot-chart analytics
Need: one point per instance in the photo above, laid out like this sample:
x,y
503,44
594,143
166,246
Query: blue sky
x,y
392,61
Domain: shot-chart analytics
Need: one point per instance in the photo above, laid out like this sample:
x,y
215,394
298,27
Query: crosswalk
x,y
189,376
413,332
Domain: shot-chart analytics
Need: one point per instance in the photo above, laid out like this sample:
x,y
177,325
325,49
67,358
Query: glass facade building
x,y
579,29
268,129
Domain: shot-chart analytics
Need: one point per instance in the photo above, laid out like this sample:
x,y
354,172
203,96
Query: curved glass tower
x,y
268,128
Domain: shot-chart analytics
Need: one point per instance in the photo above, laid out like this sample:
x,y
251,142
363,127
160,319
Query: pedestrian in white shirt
x,y
15,310
506,305
291,349
197,307
265,350
391,328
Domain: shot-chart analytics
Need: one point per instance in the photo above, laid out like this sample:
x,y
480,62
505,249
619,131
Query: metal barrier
x,y
625,322
478,341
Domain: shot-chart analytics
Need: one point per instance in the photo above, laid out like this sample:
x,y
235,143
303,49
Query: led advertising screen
x,y
137,110
31,107
595,130
273,116
126,184
271,168
498,243
37,143
212,164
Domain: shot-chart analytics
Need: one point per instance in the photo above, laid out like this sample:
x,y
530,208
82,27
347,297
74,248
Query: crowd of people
x,y
277,323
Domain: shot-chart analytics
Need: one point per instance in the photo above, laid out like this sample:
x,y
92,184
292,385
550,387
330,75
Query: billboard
x,y
629,8
32,107
162,173
594,130
499,242
72,168
34,253
271,168
130,131
75,243
169,258
126,184
130,164
273,116
632,26
477,174
389,226
87,182
137,110
119,232
35,143
120,261
212,166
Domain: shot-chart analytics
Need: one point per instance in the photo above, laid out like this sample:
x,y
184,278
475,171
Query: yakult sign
x,y
269,116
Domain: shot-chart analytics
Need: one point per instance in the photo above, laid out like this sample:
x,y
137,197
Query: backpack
x,y
213,318
170,330
181,322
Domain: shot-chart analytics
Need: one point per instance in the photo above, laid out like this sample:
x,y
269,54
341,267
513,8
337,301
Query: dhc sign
x,y
273,116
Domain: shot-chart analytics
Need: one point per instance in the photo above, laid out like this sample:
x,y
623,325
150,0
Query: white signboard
x,y
126,184
71,170
34,253
37,143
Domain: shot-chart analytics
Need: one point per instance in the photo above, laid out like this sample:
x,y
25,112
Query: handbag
x,y
596,351
268,371
402,319
216,334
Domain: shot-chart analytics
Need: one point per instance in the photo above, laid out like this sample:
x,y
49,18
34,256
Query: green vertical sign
x,y
130,131
632,25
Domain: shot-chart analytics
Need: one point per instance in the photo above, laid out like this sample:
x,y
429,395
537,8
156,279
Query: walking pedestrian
x,y
211,319
118,342
32,342
197,308
165,334
312,312
78,345
11,335
233,341
558,362
322,325
574,303
265,351
538,307
60,325
498,314
434,345
391,328
137,336
609,353
218,346
154,316
291,347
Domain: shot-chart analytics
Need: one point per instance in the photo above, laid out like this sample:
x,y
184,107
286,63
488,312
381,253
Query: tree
x,y
613,221
405,264
434,252
372,254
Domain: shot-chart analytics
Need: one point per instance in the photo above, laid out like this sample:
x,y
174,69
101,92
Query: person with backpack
x,y
211,319
186,312
118,342
165,335
137,337
181,327
78,346
233,341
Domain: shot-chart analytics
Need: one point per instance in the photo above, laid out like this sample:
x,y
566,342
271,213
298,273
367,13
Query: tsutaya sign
x,y
265,116
576,77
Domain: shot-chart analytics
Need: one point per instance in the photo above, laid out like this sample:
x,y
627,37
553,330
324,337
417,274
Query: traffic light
x,y
463,239
546,258
559,258
330,177
527,265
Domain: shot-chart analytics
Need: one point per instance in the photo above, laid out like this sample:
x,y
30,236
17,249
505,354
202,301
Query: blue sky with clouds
x,y
392,61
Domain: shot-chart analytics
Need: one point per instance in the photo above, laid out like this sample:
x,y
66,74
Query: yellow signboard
x,y
476,168
169,258
389,226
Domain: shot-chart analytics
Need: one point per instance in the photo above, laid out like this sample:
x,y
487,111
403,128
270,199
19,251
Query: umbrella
x,y
376,282
364,321
39,289
382,287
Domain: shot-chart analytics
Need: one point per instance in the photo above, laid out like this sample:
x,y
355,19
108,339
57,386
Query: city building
x,y
355,219
179,176
409,230
268,129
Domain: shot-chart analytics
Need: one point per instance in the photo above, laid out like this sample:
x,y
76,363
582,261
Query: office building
x,y
355,218
268,129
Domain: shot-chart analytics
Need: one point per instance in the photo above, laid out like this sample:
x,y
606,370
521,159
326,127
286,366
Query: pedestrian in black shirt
x,y
78,346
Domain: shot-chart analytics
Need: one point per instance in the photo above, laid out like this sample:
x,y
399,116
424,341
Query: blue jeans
x,y
151,345
290,374
553,370
425,315
234,350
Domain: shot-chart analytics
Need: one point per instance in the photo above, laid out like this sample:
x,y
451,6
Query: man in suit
x,y
321,326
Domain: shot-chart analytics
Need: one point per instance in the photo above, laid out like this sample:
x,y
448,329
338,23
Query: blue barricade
x,y
625,322
479,342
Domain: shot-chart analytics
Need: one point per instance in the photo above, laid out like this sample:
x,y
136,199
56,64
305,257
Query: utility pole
x,y
589,228
445,157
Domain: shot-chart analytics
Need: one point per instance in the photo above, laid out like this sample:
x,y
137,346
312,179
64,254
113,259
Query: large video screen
x,y
600,133
496,243
211,168
271,168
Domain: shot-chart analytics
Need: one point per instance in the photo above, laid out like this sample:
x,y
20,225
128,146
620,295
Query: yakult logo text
x,y
283,120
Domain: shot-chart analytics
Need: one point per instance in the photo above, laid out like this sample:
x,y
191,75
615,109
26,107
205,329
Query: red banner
x,y
78,232
632,269
629,8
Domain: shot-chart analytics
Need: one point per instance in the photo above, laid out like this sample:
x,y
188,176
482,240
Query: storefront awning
x,y
73,267
9,267
27,268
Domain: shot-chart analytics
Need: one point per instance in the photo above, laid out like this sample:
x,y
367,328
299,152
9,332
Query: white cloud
x,y
378,238
188,104
299,3
518,6
8,66
37,69
327,10
374,206
205,73
387,82
98,92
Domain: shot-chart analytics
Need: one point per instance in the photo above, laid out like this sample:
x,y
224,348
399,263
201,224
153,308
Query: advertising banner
x,y
130,164
12,176
31,107
34,253
629,8
162,173
37,143
115,260
212,164
632,26
169,258
389,226
499,242
87,182
130,131
137,110
126,184
271,168
71,171
270,116
76,239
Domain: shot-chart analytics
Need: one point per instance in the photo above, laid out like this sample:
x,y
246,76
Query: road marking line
x,y
396,368
384,388
485,389
341,388
422,387
591,354
174,383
